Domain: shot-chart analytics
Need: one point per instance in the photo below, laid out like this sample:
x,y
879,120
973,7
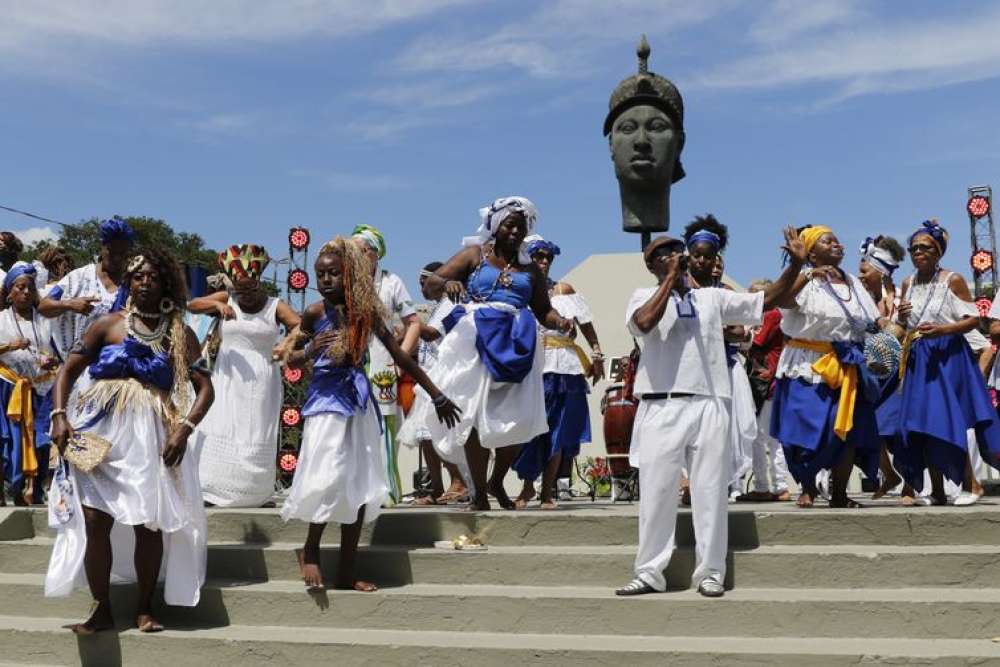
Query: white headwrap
x,y
491,216
880,259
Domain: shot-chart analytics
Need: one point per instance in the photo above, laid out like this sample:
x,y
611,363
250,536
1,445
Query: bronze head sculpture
x,y
645,130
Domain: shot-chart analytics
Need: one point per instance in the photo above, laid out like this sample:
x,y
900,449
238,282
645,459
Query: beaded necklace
x,y
156,338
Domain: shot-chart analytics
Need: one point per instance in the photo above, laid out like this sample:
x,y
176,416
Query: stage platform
x,y
878,585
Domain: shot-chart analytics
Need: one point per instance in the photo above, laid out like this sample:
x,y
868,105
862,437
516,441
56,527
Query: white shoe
x,y
711,587
966,498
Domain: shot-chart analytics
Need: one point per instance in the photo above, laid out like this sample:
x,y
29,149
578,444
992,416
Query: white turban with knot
x,y
879,259
493,215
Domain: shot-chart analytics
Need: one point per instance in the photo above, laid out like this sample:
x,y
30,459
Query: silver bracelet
x,y
57,411
190,424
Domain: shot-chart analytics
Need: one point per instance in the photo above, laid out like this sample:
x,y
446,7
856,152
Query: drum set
x,y
618,407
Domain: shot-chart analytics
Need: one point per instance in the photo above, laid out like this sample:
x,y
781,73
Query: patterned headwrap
x,y
116,229
372,237
536,243
491,216
19,269
879,259
810,235
247,260
938,234
705,236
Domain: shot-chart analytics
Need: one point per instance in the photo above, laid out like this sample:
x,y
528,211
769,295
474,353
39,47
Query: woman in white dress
x,y
142,363
491,360
27,370
237,444
341,475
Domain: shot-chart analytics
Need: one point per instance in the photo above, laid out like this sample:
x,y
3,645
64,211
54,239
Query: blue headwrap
x,y
934,230
536,243
19,269
705,236
116,229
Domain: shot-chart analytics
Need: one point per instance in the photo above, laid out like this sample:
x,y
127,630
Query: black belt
x,y
668,394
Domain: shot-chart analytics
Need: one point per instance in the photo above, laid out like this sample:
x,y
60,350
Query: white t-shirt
x,y
381,367
688,354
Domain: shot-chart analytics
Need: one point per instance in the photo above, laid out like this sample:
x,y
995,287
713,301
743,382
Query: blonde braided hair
x,y
364,308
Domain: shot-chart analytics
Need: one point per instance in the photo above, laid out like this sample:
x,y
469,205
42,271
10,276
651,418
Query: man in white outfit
x,y
683,418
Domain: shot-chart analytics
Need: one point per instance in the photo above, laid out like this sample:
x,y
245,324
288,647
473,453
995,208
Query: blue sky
x,y
239,119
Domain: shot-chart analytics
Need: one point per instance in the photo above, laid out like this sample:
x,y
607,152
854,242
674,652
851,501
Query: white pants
x,y
668,434
769,468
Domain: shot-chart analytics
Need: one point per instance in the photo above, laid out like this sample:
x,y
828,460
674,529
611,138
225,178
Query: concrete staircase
x,y
881,585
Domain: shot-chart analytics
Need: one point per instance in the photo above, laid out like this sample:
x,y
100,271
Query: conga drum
x,y
618,409
405,392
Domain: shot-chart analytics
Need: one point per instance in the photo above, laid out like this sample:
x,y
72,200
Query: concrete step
x,y
583,523
33,641
822,566
747,612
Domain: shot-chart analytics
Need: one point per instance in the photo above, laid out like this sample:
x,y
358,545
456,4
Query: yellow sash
x,y
20,409
560,343
835,375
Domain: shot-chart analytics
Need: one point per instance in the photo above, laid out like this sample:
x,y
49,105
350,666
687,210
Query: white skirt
x,y
503,413
133,485
341,469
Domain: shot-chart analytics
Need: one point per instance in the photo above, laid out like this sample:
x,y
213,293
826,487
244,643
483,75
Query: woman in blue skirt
x,y
943,391
823,411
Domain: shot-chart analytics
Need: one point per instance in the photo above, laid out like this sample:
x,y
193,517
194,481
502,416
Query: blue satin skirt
x,y
802,420
569,425
944,395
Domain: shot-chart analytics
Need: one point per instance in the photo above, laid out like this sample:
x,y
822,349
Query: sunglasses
x,y
921,247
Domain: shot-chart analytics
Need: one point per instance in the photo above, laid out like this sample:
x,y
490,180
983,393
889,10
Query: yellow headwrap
x,y
810,235
244,260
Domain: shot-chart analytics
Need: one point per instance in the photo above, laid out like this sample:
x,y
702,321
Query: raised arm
x,y
783,291
649,314
216,303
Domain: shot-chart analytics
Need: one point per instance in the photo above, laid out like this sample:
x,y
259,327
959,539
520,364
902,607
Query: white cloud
x,y
428,94
875,58
562,38
785,19
32,235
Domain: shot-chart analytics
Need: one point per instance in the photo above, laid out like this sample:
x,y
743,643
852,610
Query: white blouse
x,y
819,316
564,360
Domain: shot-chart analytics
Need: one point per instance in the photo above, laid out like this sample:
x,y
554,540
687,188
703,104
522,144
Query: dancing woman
x,y
490,362
822,414
943,392
142,361
341,475
567,369
27,370
880,257
237,455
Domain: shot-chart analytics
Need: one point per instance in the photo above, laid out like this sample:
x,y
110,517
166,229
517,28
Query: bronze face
x,y
644,148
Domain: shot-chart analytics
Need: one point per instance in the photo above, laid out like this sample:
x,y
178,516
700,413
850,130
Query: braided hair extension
x,y
362,303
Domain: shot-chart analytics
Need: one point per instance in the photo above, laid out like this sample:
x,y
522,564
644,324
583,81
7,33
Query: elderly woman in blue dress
x,y
824,409
491,360
27,369
943,392
567,369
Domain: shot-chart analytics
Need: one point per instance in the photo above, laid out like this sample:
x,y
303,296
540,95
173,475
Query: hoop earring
x,y
166,305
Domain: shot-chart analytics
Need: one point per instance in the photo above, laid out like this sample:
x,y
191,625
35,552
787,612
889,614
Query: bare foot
x,y
907,501
526,495
887,485
309,567
496,490
549,505
356,585
805,500
783,497
100,619
146,623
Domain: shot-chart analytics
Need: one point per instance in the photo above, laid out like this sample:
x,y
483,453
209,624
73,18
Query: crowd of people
x,y
804,377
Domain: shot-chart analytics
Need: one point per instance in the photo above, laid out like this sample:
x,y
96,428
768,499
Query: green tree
x,y
83,242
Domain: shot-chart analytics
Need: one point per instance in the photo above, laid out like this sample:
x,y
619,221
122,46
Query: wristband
x,y
190,424
440,401
57,411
